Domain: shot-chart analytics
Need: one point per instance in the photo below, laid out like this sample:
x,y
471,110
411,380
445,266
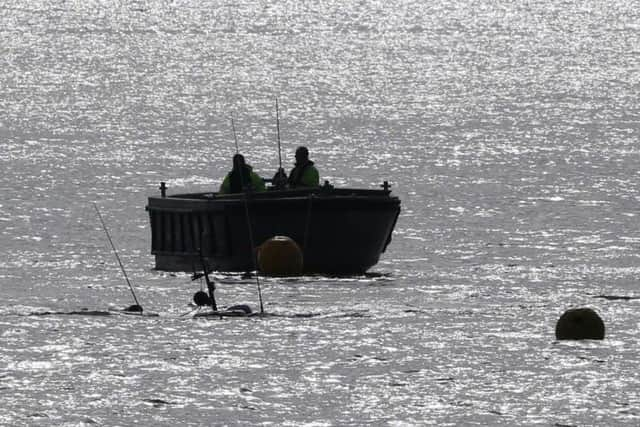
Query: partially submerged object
x,y
340,231
233,311
202,298
580,324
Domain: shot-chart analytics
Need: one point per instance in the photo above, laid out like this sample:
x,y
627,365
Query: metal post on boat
x,y
163,189
386,186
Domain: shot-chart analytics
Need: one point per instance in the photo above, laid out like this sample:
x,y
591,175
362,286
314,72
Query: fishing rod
x,y
251,242
235,138
280,178
278,135
137,306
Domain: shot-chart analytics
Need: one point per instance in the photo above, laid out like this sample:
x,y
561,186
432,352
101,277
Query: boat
x,y
340,231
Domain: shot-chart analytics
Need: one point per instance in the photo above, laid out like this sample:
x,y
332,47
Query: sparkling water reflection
x,y
509,131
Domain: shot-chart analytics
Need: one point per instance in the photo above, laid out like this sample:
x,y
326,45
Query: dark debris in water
x,y
87,312
38,415
360,357
304,315
83,312
157,403
616,297
397,384
309,315
355,314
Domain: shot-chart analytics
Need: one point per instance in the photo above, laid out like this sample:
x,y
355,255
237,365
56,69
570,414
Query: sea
x,y
510,131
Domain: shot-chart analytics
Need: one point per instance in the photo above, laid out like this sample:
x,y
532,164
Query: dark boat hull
x,y
339,231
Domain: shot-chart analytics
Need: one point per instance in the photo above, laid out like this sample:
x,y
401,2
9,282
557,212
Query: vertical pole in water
x,y
136,307
210,286
251,246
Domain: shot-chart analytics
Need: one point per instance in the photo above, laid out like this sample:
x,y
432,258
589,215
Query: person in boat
x,y
241,177
304,173
280,179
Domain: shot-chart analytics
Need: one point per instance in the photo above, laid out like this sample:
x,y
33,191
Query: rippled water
x,y
508,129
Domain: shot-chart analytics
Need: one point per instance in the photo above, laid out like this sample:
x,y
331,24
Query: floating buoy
x,y
280,256
201,299
580,324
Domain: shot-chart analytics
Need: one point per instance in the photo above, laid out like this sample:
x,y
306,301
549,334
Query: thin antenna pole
x,y
104,227
278,135
235,137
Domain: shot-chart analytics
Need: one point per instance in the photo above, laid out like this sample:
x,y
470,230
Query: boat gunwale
x,y
210,199
274,193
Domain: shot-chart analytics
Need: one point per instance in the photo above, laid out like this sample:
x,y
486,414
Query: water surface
x,y
508,129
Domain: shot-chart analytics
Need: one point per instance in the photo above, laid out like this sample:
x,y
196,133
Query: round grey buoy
x,y
580,324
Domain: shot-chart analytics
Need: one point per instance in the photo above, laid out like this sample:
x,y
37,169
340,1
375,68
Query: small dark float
x,y
580,324
341,231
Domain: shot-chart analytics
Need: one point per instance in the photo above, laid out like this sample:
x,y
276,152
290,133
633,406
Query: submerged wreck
x,y
341,231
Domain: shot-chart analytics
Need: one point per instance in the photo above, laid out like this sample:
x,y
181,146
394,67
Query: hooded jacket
x,y
234,181
305,175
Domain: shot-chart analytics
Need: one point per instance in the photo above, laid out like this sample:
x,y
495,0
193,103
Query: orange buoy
x,y
280,256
